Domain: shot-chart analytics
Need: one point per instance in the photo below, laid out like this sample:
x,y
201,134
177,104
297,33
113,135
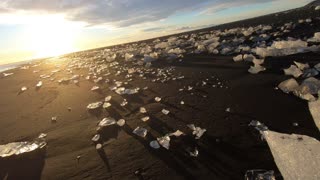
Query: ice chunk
x,y
142,132
154,144
310,85
95,88
157,99
289,85
39,84
146,118
121,122
293,70
107,99
106,105
317,8
107,122
96,138
128,56
314,108
42,135
256,69
301,66
7,74
284,48
177,133
165,111
297,156
310,73
238,58
19,148
197,131
95,105
164,141
143,110
249,57
98,147
54,119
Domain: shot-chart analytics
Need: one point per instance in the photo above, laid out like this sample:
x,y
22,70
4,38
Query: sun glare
x,y
51,38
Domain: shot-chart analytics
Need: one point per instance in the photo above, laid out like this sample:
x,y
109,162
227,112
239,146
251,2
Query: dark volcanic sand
x,y
226,151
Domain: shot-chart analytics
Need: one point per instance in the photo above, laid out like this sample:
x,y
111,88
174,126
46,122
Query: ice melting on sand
x,y
197,131
19,148
164,141
154,144
293,71
289,85
142,132
95,105
256,69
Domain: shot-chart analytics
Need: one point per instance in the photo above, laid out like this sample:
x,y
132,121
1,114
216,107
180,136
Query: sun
x,y
51,38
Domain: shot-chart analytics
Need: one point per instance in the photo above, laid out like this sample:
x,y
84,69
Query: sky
x,y
42,28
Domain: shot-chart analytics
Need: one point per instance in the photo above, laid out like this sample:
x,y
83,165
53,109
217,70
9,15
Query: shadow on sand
x,y
26,166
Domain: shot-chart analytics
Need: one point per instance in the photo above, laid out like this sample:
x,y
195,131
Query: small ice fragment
x,y
157,99
228,110
165,111
54,119
7,74
124,102
258,126
144,119
106,105
164,141
182,102
121,122
293,70
98,147
108,98
95,88
142,132
177,133
154,144
39,84
143,110
96,138
24,88
295,124
317,8
42,135
194,153
197,131
95,105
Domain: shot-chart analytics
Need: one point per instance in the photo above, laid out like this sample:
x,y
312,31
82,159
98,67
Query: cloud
x,y
120,13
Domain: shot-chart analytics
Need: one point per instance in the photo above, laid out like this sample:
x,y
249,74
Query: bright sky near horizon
x,y
42,28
